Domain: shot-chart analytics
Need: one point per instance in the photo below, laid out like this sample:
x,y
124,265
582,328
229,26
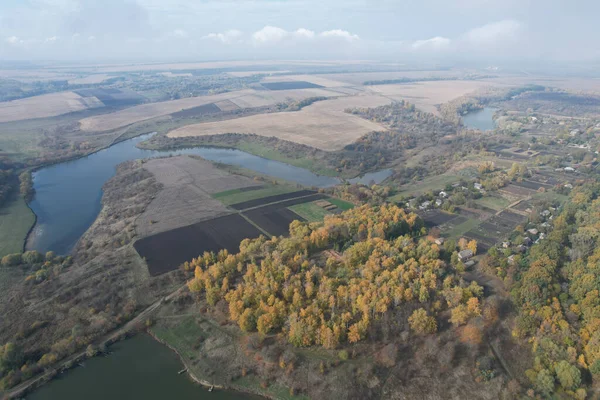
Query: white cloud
x,y
494,32
304,33
51,39
180,33
227,37
269,34
338,33
13,40
435,43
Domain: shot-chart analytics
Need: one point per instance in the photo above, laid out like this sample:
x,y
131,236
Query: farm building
x,y
464,255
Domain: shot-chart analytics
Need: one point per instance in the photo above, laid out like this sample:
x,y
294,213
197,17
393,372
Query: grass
x,y
494,202
459,230
183,336
342,205
15,221
237,196
275,390
438,182
310,211
550,196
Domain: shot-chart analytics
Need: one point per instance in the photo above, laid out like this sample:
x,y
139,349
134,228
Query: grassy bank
x,y
16,219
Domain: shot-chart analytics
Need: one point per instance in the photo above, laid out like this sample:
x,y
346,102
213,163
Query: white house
x,y
569,169
477,186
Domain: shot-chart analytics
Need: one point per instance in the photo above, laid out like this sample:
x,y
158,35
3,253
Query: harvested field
x,y
90,79
186,195
517,190
359,78
320,81
532,185
271,199
276,218
323,125
244,74
426,95
246,194
266,98
290,85
211,108
226,105
48,105
511,216
143,112
166,251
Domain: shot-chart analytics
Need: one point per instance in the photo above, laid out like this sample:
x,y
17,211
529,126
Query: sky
x,y
483,31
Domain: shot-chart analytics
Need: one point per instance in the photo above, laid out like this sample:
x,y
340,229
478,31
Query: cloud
x,y
435,43
501,31
269,34
13,40
273,35
338,33
180,33
227,37
51,39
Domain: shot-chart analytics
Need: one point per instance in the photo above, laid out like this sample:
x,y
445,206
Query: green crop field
x,y
15,221
432,183
342,205
310,211
494,202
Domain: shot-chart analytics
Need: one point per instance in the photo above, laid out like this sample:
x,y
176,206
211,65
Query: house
x,y
545,225
465,255
527,241
545,213
438,202
568,186
477,186
521,248
574,132
533,231
425,205
542,236
439,241
443,194
569,169
469,263
505,245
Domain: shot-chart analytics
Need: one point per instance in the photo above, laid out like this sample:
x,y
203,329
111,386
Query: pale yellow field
x,y
143,112
323,125
244,74
48,105
426,95
269,97
316,79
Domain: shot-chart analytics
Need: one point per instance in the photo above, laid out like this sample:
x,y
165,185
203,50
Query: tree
x,y
568,375
471,334
11,260
544,382
472,245
32,257
421,323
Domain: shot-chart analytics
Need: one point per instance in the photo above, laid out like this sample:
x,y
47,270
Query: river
x,y
68,195
138,368
480,119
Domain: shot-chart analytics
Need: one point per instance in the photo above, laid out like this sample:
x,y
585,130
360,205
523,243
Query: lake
x,y
68,195
138,368
480,119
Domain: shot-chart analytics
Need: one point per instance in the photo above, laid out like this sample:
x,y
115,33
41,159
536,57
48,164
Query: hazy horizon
x,y
508,32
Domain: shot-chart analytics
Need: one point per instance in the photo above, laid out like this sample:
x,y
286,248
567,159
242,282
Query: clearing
x,y
323,125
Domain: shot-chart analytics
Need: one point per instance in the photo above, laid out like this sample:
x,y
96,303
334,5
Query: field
x,y
427,95
494,202
166,251
15,221
242,195
323,125
188,184
143,112
310,212
319,80
113,97
341,204
290,85
275,218
270,199
428,184
48,105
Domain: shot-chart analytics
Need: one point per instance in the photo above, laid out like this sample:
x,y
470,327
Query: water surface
x,y
68,195
138,368
480,119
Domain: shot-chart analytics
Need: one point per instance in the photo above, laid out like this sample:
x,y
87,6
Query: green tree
x,y
421,323
544,382
568,375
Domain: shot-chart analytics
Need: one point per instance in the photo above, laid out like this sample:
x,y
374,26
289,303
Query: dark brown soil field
x,y
197,111
436,217
290,85
512,217
166,251
523,206
271,199
113,97
276,218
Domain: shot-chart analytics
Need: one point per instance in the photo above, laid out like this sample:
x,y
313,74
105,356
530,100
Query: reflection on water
x,y
68,195
137,368
480,119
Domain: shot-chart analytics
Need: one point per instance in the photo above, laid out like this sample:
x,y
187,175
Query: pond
x,y
68,195
137,368
480,119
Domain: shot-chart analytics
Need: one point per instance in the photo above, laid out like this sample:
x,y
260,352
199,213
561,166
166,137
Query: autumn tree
x,y
421,323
